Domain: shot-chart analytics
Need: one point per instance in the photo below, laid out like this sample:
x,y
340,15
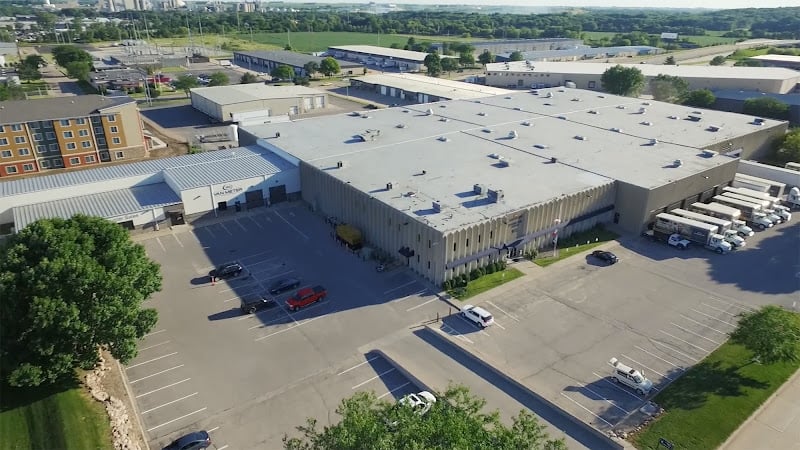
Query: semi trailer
x,y
723,212
676,230
724,226
750,211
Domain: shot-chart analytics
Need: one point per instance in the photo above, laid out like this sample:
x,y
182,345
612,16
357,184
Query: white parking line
x,y
692,332
268,260
157,373
603,398
282,274
456,334
290,224
719,309
702,324
676,350
290,328
586,409
373,378
239,287
473,324
154,332
498,324
153,346
422,304
242,258
223,447
230,299
618,387
661,359
151,360
400,287
208,228
213,430
225,228
395,389
410,295
175,420
501,310
264,324
685,341
358,365
169,403
163,387
735,305
179,241
256,222
161,244
240,225
646,367
714,318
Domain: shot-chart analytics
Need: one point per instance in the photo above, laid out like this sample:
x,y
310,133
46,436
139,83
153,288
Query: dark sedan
x,y
192,441
227,270
603,255
283,285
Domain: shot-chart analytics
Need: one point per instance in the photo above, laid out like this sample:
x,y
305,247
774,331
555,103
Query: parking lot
x,y
252,378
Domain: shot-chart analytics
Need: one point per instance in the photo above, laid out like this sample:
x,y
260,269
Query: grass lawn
x,y
703,41
487,282
708,403
575,244
56,417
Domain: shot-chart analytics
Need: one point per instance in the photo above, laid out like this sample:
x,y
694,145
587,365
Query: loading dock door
x,y
254,199
277,194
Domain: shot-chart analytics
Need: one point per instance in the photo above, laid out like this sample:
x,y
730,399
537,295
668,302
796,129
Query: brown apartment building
x,y
67,132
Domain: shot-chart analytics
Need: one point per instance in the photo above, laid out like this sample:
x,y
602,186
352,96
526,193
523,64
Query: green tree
x,y
788,147
68,288
282,72
771,333
717,61
701,98
766,107
449,64
10,90
455,421
668,88
749,63
186,82
248,78
65,54
78,70
219,79
329,67
516,55
619,80
28,69
486,57
670,61
311,68
466,58
433,63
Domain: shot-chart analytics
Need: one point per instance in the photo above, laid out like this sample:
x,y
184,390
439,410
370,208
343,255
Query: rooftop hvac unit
x,y
437,206
553,160
495,156
482,114
339,164
580,138
653,141
549,95
616,130
570,84
646,123
526,124
758,121
677,163
495,195
389,186
714,128
674,117
709,153
694,118
429,112
478,189
591,111
642,110
512,134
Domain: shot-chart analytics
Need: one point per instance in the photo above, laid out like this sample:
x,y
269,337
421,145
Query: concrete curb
x,y
403,371
135,407
612,442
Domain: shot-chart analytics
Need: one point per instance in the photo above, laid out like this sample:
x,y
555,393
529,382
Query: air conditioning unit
x,y
709,153
495,156
437,206
504,163
495,195
553,160
512,134
478,189
677,163
339,164
714,128
389,186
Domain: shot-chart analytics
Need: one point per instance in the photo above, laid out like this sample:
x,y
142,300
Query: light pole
x,y
555,238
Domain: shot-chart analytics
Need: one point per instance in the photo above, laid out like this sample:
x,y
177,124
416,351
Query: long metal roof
x,y
224,171
141,168
106,204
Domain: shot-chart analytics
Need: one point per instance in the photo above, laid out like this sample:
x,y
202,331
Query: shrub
x,y
501,265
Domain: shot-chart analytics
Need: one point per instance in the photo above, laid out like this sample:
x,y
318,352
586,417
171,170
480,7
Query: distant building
x,y
521,45
265,61
411,88
787,61
68,132
733,101
381,57
583,52
246,102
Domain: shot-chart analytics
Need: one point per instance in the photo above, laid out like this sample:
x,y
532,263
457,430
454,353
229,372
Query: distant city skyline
x,y
709,4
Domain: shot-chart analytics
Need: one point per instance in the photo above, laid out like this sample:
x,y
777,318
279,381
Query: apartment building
x,y
67,132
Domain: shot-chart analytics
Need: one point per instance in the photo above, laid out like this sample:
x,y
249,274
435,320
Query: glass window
x,y
11,169
74,161
7,154
45,164
48,124
27,167
71,146
53,147
24,151
80,121
116,140
98,130
37,137
41,148
68,134
3,141
111,118
83,132
101,141
120,155
115,129
20,139
64,122
2,129
16,127
50,135
89,159
58,162
86,144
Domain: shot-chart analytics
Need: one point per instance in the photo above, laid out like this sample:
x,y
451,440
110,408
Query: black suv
x,y
283,285
227,270
253,302
603,255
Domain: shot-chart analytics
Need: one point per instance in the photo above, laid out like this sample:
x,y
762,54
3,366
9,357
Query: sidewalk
x,y
775,425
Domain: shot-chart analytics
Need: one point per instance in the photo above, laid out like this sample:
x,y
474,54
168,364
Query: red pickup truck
x,y
305,297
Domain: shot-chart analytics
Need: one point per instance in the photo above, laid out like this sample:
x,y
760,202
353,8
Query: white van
x,y
630,377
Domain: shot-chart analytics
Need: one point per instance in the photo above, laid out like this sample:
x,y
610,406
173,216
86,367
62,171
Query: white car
x,y
630,377
477,315
421,403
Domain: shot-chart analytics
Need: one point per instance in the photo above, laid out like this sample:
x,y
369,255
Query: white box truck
x,y
764,204
676,230
774,202
724,212
725,226
751,212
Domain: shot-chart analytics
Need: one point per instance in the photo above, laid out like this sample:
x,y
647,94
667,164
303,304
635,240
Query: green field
x,y
57,417
710,401
703,41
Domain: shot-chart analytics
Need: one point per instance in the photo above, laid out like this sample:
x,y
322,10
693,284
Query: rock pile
x,y
121,426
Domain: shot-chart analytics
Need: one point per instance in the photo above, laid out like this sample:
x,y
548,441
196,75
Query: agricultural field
x,y
712,38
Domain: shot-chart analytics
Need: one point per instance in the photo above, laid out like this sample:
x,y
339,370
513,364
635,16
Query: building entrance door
x,y
277,194
254,199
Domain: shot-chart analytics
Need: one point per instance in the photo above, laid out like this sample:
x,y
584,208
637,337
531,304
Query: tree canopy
x,y
329,67
449,64
620,80
311,68
766,107
186,83
668,88
455,421
771,333
486,57
670,61
219,79
717,60
65,54
28,68
248,78
78,70
701,98
282,72
433,63
788,147
9,90
68,287
516,55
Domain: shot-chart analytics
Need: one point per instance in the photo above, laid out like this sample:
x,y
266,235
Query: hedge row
x,y
462,280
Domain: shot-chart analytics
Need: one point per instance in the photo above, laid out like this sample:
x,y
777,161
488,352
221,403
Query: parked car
x,y
605,256
283,285
228,270
421,403
306,296
255,301
630,377
192,441
477,315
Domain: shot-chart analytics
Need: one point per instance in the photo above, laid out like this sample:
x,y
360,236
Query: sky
x,y
712,4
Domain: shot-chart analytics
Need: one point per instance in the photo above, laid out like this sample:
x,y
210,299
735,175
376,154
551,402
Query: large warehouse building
x,y
266,61
448,187
246,102
520,45
584,52
526,74
381,57
413,88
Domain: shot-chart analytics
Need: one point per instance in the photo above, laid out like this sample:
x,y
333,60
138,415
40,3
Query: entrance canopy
x,y
108,205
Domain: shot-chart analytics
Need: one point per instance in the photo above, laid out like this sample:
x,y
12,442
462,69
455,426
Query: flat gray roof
x,y
243,93
439,87
292,58
106,204
735,94
781,58
584,51
409,142
649,70
18,111
383,52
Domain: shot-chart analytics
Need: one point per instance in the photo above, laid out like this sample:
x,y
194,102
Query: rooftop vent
x,y
437,207
601,96
591,111
443,139
642,110
482,114
549,95
366,116
478,188
694,118
653,141
698,112
540,146
713,128
444,119
476,101
503,163
677,163
758,121
389,186
575,99
517,108
616,130
674,117
400,125
526,124
442,106
487,130
580,138
709,153
495,195
495,156
621,107
646,123
562,117
429,112
369,135
646,103
553,160
339,164
512,134
508,97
